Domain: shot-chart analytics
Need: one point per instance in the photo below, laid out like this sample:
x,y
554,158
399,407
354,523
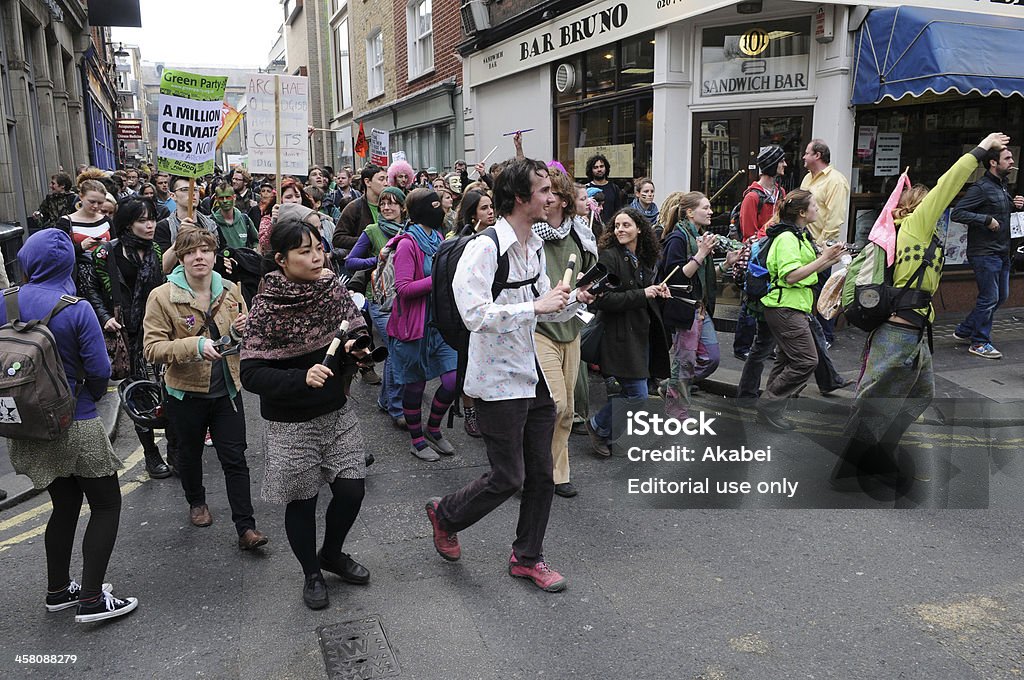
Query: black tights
x,y
104,495
300,522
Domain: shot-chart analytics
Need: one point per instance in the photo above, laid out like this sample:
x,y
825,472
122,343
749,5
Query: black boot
x,y
155,465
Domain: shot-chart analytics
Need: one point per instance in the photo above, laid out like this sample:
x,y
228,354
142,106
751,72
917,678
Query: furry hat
x,y
398,168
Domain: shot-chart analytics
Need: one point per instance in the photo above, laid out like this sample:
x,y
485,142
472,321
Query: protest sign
x,y
263,118
398,156
190,112
379,147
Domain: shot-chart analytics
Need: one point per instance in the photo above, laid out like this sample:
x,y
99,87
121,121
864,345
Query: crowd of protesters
x,y
206,287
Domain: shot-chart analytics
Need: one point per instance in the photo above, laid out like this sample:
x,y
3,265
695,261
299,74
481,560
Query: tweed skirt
x,y
303,457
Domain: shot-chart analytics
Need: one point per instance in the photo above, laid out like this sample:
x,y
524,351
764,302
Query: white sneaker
x,y
106,607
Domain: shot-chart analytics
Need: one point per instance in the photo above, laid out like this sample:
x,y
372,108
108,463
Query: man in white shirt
x,y
515,410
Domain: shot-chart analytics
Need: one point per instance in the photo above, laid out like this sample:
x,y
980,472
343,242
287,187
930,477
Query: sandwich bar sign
x,y
755,58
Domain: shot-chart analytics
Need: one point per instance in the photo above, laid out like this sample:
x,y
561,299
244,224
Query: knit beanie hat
x,y
768,158
395,193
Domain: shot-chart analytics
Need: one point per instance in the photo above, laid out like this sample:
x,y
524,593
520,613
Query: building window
x,y
342,70
375,64
420,31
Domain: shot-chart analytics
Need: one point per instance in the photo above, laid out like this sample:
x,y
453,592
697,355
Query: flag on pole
x,y
362,146
229,121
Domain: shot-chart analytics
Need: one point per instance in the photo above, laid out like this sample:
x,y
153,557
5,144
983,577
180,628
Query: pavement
x,y
970,391
840,590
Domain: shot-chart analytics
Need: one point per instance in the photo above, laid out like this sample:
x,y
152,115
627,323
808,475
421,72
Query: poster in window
x,y
887,154
954,238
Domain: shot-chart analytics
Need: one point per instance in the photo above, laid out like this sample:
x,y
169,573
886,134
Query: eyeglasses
x,y
181,189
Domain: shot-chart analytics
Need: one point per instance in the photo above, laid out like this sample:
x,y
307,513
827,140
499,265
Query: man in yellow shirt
x,y
832,193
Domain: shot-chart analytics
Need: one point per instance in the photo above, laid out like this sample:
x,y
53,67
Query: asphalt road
x,y
824,585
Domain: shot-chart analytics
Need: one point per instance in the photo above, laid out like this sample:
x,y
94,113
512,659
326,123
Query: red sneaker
x,y
543,576
446,544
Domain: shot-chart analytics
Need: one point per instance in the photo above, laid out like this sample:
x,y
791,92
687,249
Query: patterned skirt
x,y
303,457
82,451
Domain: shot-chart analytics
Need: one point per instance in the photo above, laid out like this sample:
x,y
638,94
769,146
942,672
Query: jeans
x,y
517,434
634,392
190,417
992,272
746,328
390,393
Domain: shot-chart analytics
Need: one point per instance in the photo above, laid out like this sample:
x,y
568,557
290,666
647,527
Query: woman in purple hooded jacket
x,y
82,462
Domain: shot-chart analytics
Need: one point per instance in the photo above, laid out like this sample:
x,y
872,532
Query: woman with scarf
x,y
417,351
558,343
633,346
123,274
686,261
311,434
644,201
363,256
793,264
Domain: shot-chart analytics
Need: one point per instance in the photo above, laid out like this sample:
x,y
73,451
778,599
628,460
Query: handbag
x,y
590,340
117,350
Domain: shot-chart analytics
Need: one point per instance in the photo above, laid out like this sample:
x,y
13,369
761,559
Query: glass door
x,y
725,147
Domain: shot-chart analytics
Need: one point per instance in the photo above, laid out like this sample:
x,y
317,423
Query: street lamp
x,y
120,52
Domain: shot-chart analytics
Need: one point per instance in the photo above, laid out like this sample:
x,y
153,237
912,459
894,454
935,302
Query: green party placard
x,y
190,117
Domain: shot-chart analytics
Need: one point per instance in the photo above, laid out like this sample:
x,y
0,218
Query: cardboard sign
x,y
379,147
190,110
294,112
398,156
888,146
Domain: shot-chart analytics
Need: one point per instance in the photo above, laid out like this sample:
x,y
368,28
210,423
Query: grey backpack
x,y
36,403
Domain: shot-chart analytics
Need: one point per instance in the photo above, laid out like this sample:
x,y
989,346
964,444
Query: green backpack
x,y
869,297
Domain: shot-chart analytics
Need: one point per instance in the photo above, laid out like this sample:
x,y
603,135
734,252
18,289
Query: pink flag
x,y
883,232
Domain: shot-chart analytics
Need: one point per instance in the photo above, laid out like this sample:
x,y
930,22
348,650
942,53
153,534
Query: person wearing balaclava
x,y
417,351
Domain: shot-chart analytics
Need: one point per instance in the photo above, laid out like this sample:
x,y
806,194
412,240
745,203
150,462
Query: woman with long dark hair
x,y
633,346
81,463
476,213
793,264
124,272
311,434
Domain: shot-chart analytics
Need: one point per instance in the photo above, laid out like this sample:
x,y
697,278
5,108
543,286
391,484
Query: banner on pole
x,y
259,117
229,121
379,147
190,113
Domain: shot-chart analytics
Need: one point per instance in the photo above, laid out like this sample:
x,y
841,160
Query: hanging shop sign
x,y
129,129
190,109
755,58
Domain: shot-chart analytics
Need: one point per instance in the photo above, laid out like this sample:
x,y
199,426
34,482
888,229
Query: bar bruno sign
x,y
602,23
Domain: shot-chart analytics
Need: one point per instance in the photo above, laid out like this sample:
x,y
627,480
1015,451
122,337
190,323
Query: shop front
x,y
928,85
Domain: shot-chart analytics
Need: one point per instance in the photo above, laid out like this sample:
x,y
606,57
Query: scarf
x,y
650,214
706,272
148,271
549,233
292,318
428,244
390,229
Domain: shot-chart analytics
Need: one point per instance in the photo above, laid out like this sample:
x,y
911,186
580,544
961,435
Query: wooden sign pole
x,y
277,133
191,195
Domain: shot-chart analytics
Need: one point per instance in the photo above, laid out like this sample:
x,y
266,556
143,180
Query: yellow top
x,y
832,192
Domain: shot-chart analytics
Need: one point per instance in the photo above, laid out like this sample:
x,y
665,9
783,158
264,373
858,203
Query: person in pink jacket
x,y
417,351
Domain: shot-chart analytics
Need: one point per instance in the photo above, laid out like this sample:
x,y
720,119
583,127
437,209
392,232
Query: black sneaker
x,y
314,593
68,597
106,606
567,490
776,420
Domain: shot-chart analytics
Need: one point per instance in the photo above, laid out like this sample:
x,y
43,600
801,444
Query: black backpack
x,y
444,312
735,229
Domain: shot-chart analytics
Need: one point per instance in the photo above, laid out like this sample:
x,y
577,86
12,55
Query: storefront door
x,y
725,146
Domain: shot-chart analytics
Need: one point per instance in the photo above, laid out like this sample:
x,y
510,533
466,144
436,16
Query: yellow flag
x,y
230,121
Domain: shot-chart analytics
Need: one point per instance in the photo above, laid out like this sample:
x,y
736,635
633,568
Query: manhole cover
x,y
355,650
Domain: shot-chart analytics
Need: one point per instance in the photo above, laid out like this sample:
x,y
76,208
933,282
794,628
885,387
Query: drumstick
x,y
590,225
567,277
336,342
476,227
489,154
670,275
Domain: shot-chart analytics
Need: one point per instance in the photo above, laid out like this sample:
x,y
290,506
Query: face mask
x,y
423,212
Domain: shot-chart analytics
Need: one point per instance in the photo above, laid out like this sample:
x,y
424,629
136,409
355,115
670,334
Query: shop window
x,y
420,33
637,56
771,56
375,64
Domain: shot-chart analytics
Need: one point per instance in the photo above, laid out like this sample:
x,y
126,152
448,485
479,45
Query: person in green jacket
x,y
236,228
897,382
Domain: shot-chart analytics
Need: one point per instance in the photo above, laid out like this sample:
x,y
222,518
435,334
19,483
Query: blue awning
x,y
912,50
